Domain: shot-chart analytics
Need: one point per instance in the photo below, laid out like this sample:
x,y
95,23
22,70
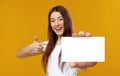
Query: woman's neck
x,y
59,40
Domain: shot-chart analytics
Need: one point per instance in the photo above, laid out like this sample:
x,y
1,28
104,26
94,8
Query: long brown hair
x,y
52,36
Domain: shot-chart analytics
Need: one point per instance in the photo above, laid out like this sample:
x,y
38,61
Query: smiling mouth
x,y
58,28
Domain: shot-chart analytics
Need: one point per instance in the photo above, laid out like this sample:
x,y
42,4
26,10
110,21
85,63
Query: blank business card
x,y
83,49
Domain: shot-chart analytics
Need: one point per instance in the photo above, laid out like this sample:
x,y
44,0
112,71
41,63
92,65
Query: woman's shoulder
x,y
45,42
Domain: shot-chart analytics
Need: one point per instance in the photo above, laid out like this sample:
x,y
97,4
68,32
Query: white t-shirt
x,y
53,68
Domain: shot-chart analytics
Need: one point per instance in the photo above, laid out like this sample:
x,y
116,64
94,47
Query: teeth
x,y
58,28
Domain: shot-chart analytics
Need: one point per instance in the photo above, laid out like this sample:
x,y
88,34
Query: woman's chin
x,y
59,34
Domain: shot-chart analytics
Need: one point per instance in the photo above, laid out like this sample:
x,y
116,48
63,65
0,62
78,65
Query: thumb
x,y
35,39
73,64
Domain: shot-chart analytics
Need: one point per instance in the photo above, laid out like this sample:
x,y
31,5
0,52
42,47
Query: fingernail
x,y
81,33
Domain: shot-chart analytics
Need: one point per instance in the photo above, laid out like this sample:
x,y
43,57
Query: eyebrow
x,y
58,17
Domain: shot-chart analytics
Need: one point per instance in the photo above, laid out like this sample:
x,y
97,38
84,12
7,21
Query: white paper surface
x,y
83,49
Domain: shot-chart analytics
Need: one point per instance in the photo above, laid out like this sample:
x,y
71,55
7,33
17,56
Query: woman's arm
x,y
30,50
33,49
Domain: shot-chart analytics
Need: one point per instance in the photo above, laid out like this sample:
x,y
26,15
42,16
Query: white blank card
x,y
83,49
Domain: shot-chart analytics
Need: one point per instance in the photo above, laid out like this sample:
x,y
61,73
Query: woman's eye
x,y
52,20
61,19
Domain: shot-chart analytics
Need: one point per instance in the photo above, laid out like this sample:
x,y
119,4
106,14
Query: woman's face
x,y
57,23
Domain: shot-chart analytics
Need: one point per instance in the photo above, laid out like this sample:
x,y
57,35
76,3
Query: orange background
x,y
20,20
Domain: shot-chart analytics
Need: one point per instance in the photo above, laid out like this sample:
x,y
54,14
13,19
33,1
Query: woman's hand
x,y
82,65
32,49
35,47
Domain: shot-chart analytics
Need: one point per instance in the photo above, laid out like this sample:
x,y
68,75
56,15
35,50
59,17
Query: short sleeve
x,y
45,45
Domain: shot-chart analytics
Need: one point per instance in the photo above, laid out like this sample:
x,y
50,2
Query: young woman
x,y
59,25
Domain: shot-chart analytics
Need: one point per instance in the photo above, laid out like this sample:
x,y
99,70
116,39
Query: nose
x,y
56,23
